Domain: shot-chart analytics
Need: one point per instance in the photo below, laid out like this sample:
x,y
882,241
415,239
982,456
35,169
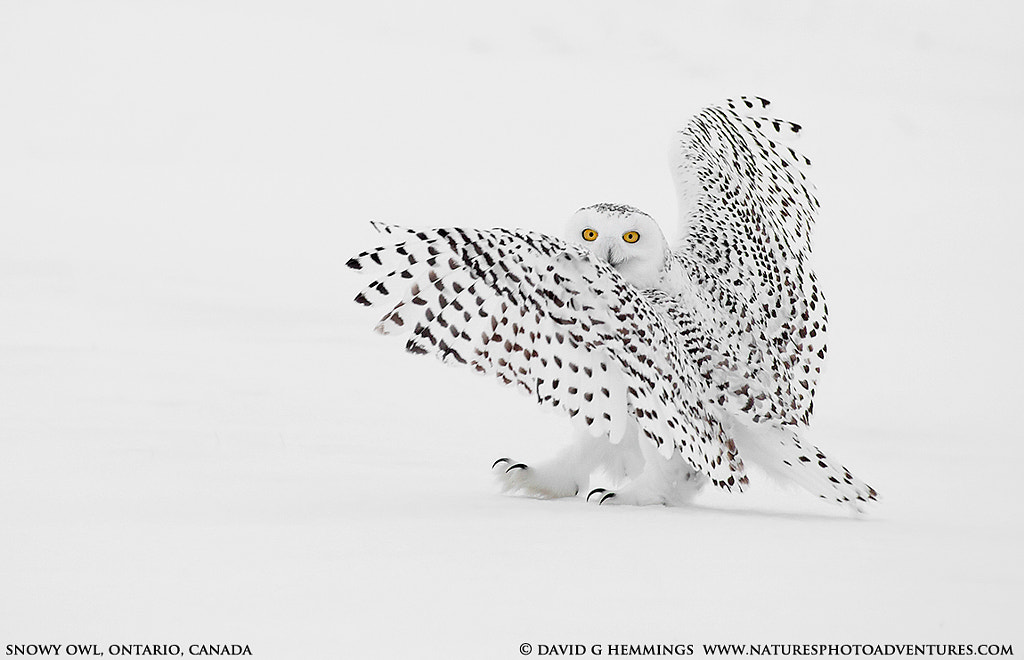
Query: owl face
x,y
625,237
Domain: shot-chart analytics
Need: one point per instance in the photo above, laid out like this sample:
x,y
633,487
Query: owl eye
x,y
589,235
631,237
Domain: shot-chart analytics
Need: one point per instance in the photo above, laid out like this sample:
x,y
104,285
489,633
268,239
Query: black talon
x,y
596,490
507,460
517,465
606,497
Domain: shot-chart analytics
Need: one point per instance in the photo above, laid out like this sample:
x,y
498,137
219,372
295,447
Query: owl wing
x,y
747,211
559,324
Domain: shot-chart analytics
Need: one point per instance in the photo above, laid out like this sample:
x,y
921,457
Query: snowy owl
x,y
675,365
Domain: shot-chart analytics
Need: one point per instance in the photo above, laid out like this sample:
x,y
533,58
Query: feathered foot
x,y
669,482
568,473
546,481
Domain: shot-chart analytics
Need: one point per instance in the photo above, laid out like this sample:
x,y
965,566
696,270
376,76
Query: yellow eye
x,y
589,235
631,237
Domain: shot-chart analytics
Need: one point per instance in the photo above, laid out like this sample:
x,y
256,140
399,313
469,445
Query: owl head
x,y
626,237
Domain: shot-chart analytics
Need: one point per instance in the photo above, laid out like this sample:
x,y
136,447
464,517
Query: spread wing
x,y
559,324
747,210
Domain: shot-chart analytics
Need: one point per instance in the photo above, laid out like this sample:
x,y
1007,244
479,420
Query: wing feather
x,y
736,332
559,324
748,210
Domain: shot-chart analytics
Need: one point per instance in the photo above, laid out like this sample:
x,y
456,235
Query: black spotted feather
x,y
736,330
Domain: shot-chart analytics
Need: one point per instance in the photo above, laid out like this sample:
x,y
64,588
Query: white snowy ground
x,y
201,441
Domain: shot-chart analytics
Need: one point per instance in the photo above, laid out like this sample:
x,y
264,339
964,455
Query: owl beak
x,y
612,258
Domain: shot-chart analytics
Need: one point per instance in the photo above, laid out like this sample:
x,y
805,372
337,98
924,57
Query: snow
x,y
203,442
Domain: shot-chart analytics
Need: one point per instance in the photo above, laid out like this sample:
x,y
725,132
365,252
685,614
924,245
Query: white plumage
x,y
675,365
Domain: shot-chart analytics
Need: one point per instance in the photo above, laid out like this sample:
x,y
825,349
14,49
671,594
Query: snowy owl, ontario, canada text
x,y
676,366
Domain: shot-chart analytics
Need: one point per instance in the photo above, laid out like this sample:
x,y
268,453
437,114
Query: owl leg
x,y
565,475
671,482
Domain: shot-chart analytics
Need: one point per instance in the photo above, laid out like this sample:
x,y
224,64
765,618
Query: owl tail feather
x,y
790,459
